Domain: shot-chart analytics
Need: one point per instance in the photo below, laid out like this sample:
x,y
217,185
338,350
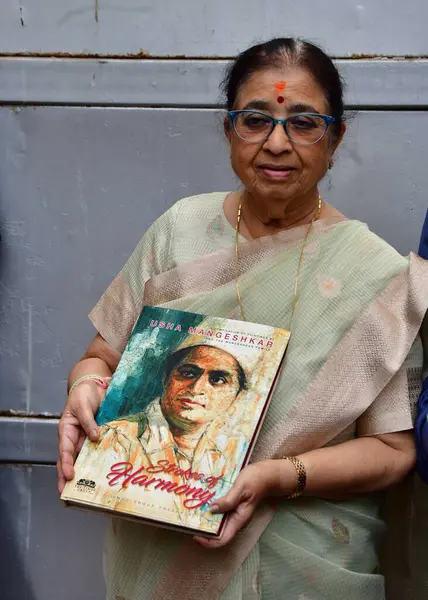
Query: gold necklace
x,y
296,283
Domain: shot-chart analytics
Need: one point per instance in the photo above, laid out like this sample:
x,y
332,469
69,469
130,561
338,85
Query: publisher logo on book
x,y
85,485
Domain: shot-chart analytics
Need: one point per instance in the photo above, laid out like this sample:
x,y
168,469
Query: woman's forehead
x,y
295,84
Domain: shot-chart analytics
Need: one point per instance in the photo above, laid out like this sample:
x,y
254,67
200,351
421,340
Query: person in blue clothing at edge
x,y
304,517
422,418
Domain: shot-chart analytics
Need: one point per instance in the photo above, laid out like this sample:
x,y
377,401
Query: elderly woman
x,y
304,516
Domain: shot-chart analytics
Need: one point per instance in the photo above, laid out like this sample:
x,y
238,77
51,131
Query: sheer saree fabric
x,y
352,368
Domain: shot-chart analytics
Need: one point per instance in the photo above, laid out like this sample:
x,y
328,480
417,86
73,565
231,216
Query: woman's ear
x,y
338,141
334,143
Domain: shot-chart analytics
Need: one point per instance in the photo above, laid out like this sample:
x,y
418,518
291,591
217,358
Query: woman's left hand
x,y
254,483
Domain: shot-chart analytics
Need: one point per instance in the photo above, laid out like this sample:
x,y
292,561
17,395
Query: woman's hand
x,y
254,483
359,466
77,420
76,423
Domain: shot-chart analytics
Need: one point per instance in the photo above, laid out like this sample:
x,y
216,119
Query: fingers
x,y
71,442
76,421
67,450
85,416
84,403
236,521
80,442
61,478
240,503
71,437
227,502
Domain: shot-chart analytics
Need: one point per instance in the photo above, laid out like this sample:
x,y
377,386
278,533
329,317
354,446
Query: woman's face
x,y
299,167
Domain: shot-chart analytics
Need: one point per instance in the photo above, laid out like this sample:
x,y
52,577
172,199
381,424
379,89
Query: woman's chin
x,y
275,191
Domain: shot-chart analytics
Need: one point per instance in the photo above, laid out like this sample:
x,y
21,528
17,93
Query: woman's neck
x,y
260,218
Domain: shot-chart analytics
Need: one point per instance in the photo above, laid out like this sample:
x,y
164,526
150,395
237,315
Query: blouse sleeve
x,y
117,310
395,407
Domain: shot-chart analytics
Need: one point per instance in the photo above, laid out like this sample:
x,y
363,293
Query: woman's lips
x,y
275,172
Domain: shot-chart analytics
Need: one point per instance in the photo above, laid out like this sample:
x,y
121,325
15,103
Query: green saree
x,y
353,368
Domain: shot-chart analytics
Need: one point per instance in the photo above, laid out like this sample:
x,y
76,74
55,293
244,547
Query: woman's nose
x,y
278,141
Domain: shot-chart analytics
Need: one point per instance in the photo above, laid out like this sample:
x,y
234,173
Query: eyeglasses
x,y
305,128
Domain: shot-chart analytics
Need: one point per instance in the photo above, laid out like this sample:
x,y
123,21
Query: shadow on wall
x,y
13,538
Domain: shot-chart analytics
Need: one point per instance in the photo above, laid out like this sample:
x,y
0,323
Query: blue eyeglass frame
x,y
328,120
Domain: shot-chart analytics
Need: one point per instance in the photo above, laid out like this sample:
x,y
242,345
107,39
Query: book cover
x,y
179,419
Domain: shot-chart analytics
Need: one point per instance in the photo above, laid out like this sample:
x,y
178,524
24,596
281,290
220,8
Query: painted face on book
x,y
201,387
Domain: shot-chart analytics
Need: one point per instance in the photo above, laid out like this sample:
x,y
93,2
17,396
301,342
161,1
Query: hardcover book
x,y
179,419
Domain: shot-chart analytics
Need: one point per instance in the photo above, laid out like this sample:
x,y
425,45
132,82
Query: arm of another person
x,y
77,419
358,466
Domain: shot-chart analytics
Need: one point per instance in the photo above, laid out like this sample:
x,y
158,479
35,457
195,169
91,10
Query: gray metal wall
x,y
107,116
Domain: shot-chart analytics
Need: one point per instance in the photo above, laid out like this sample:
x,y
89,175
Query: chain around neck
x,y
299,265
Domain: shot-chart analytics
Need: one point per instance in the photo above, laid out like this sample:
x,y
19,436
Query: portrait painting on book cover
x,y
180,414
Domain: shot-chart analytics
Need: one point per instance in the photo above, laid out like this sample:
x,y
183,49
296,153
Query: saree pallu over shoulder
x,y
359,311
386,297
360,367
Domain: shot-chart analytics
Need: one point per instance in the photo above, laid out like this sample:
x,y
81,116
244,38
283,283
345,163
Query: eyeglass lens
x,y
302,129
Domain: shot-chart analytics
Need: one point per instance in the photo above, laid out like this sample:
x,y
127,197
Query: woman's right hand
x,y
76,423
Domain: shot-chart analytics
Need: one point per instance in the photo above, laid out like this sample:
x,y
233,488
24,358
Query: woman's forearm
x,y
99,359
355,467
88,366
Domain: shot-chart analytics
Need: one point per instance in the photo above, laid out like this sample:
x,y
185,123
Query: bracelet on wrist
x,y
104,382
301,477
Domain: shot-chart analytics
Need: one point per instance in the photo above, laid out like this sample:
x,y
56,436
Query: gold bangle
x,y
301,477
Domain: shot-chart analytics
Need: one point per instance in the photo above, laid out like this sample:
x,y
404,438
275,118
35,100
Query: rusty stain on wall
x,y
144,54
141,54
22,414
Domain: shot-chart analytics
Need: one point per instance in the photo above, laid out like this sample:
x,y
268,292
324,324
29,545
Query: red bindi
x,y
280,99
